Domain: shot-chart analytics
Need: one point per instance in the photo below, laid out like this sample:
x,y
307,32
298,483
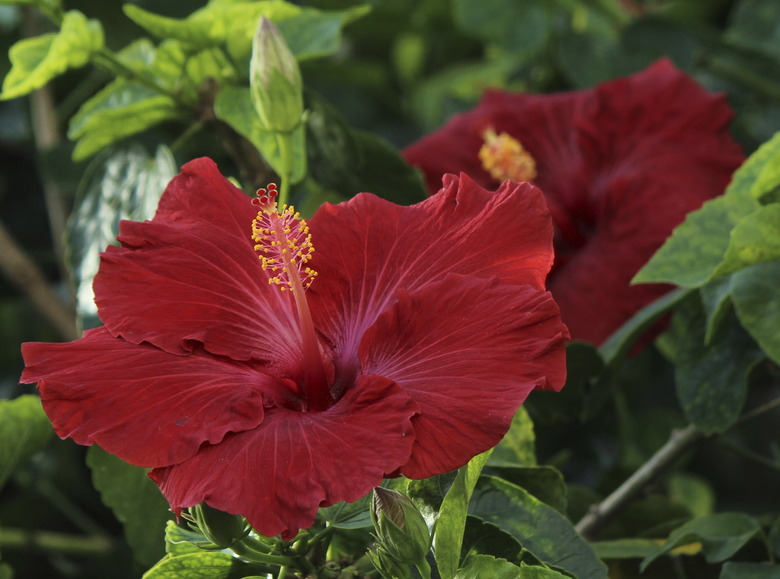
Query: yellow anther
x,y
505,158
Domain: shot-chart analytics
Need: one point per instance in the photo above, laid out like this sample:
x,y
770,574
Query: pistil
x,y
505,158
283,242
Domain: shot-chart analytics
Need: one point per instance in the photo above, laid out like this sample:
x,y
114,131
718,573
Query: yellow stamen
x,y
505,158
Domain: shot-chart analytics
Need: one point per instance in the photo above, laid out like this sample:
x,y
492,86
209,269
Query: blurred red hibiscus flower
x,y
620,165
423,331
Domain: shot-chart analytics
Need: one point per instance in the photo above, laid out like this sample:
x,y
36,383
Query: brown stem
x,y
679,442
23,272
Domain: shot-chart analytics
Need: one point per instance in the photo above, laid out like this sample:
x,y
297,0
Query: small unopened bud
x,y
387,566
219,527
400,527
275,80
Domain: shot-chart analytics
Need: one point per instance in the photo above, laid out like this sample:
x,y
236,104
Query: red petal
x,y
279,474
148,407
368,248
468,351
192,276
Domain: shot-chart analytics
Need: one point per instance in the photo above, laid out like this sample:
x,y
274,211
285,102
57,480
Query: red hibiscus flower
x,y
424,328
620,165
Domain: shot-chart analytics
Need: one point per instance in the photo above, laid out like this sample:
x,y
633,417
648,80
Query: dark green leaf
x,y
544,482
620,343
481,566
487,539
448,536
711,378
36,61
774,537
716,299
625,548
538,527
234,106
203,565
348,515
123,184
518,447
749,571
427,494
754,292
755,24
135,500
721,535
24,430
313,34
522,28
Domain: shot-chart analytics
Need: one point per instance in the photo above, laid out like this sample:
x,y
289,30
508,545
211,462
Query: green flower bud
x,y
275,80
400,527
219,527
387,566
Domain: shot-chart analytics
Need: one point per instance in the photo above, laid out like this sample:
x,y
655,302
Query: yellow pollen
x,y
505,158
283,242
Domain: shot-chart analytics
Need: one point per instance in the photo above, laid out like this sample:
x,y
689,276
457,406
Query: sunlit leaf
x,y
754,292
480,566
543,482
135,501
536,526
721,535
24,430
124,184
755,239
36,61
203,565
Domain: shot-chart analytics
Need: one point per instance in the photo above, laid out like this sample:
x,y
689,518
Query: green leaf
x,y
203,565
36,61
481,537
538,527
518,447
749,571
234,106
313,34
754,292
120,110
766,187
711,378
6,572
24,429
721,535
716,299
522,28
754,25
180,540
123,184
351,161
774,537
448,536
135,500
480,566
348,515
755,239
619,344
625,548
544,482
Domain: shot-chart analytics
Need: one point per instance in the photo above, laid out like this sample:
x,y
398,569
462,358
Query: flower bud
x,y
275,80
400,527
219,527
387,566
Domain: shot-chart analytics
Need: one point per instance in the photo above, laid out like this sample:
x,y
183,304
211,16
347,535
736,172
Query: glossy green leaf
x,y
537,527
754,240
522,28
711,378
203,565
721,535
123,184
518,447
766,187
234,106
36,61
733,570
448,536
481,566
24,429
180,540
754,292
135,500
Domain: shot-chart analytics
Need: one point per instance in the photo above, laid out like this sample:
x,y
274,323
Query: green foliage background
x,y
379,74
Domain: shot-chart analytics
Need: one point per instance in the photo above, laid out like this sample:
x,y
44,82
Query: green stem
x,y
54,542
243,550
